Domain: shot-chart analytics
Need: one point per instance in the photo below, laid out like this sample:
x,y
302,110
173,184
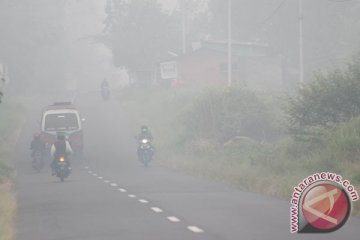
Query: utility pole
x,y
229,45
301,50
183,25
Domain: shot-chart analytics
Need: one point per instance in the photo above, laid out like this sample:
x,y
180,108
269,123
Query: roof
x,y
60,105
240,49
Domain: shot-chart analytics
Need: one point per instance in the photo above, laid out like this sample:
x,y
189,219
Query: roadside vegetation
x,y
258,142
11,115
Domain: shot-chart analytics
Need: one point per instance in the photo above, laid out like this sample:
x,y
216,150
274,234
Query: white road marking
x,y
95,175
195,229
156,209
86,167
173,219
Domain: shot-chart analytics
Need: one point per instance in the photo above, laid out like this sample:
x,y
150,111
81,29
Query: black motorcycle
x,y
38,160
62,167
145,151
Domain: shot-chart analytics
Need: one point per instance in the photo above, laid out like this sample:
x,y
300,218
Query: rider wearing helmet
x,y
60,147
37,144
104,84
105,89
144,134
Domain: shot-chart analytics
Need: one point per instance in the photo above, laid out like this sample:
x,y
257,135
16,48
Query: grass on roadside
x,y
11,115
7,212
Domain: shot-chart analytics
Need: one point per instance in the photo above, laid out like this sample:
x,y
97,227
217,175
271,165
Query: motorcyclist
x,y
37,145
144,134
61,147
104,84
105,90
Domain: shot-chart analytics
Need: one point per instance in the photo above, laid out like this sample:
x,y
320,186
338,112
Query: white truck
x,y
64,118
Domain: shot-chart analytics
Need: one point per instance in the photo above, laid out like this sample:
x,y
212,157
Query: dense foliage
x,y
327,100
221,115
140,35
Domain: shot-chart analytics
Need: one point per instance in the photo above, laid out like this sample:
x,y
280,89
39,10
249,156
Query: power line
x,y
271,15
274,12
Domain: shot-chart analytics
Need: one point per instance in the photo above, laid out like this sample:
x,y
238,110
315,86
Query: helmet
x,y
144,128
36,135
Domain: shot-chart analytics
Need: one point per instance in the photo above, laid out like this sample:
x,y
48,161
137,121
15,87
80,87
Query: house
x,y
253,65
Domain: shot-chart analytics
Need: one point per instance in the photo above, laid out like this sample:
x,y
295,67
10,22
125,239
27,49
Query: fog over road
x,y
112,196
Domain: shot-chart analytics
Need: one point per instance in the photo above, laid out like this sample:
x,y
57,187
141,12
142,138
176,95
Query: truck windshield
x,y
61,122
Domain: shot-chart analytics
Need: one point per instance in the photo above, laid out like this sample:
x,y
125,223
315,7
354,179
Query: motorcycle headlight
x,y
144,141
62,159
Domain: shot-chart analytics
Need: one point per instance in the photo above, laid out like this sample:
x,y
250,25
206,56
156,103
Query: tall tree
x,y
140,34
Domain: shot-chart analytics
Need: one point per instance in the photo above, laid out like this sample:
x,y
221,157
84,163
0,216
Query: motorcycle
x,y
62,167
105,93
38,161
145,151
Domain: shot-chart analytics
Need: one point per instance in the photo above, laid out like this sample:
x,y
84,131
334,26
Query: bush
x,y
343,144
330,99
223,114
242,149
6,173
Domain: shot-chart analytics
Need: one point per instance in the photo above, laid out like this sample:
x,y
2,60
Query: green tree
x,y
140,35
327,100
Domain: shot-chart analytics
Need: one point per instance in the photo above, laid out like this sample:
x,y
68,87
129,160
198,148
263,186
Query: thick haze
x,y
157,55
69,33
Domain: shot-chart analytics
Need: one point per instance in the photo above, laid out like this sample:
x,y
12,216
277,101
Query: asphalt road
x,y
112,196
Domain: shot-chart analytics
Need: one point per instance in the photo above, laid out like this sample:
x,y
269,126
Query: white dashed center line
x,y
195,229
156,209
173,219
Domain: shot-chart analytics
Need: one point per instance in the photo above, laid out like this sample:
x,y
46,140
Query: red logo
x,y
325,207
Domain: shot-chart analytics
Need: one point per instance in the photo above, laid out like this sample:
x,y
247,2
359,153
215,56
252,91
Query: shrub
x,y
329,99
222,114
